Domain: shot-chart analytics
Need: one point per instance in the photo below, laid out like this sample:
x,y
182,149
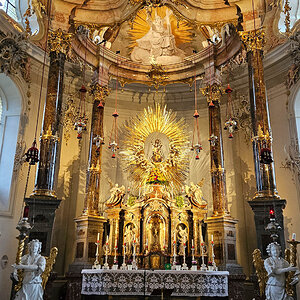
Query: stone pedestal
x,y
41,217
261,208
86,237
224,234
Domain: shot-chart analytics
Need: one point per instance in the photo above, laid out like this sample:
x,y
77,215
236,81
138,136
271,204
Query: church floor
x,y
149,298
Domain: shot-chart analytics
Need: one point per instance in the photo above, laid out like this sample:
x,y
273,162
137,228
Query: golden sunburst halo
x,y
181,30
161,121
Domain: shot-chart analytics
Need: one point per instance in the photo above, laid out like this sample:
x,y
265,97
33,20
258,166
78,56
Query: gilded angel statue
x,y
272,273
116,195
195,194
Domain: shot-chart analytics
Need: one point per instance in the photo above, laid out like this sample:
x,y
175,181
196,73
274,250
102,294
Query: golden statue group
x,y
157,209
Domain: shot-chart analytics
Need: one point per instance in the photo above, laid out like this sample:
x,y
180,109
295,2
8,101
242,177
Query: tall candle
x,y
98,237
212,238
294,236
201,237
192,242
174,237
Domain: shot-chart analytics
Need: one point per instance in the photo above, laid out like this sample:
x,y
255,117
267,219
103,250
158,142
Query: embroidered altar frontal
x,y
144,282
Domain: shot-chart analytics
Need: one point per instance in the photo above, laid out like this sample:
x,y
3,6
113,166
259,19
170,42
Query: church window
x,y
9,6
10,106
294,15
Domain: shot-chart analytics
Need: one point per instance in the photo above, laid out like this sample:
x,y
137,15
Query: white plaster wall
x,y
9,220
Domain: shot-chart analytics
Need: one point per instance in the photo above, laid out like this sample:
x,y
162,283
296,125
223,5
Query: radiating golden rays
x,y
180,29
175,166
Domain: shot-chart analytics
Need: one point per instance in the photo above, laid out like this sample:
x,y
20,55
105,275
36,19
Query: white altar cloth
x,y
143,282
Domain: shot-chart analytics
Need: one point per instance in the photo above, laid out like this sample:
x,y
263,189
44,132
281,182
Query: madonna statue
x,y
33,265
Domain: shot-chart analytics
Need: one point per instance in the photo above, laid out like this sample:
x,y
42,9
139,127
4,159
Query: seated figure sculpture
x,y
158,43
33,265
276,268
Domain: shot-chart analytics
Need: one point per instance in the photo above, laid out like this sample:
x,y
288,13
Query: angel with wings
x,y
272,273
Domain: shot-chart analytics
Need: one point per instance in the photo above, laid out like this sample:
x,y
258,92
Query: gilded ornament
x,y
212,92
157,75
59,41
287,20
168,167
50,261
260,270
253,40
99,92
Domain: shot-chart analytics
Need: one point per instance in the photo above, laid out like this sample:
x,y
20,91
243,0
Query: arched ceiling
x,y
123,23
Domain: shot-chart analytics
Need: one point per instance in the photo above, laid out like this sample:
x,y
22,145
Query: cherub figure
x,y
33,265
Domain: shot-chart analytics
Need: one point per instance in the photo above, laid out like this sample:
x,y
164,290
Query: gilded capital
x,y
253,40
59,41
99,92
212,92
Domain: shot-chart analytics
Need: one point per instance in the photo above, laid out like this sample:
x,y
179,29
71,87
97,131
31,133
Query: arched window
x,y
9,6
9,128
294,15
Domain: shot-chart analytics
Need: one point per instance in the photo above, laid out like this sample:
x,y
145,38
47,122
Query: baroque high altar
x,y
157,209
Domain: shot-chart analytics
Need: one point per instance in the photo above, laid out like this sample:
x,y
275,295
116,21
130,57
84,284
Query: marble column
x,y
59,44
90,223
266,196
43,202
220,225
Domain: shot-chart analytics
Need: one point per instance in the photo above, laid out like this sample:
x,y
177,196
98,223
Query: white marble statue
x,y
195,194
33,265
129,235
276,268
158,44
116,195
182,235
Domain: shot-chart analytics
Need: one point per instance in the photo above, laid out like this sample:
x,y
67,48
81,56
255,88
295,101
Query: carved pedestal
x,y
41,217
224,234
261,208
86,237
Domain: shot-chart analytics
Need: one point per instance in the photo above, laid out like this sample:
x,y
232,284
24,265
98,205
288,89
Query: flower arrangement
x,y
194,262
129,261
156,177
210,263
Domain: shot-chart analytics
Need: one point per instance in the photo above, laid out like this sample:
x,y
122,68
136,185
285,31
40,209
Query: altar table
x,y
144,282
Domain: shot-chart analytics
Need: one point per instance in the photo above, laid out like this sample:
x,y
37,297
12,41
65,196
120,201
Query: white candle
x,y
201,237
174,237
294,236
116,244
107,240
98,237
212,238
192,242
146,242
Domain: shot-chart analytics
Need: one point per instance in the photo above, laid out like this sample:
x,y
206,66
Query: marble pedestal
x,y
41,217
261,208
86,237
224,232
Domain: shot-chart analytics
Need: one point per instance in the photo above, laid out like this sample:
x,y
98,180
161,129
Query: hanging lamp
x,y
113,139
80,124
196,143
230,122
